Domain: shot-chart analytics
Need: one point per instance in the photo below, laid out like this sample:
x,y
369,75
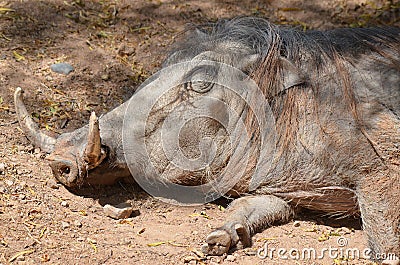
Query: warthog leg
x,y
247,215
381,221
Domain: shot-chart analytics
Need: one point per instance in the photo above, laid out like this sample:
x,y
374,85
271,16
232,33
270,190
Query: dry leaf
x,y
188,259
18,57
42,232
197,252
5,9
324,237
288,9
176,244
202,214
83,213
156,244
141,231
92,244
20,254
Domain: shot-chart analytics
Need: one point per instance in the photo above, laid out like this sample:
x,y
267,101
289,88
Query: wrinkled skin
x,y
337,151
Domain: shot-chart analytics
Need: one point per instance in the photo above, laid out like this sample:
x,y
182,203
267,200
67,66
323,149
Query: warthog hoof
x,y
221,240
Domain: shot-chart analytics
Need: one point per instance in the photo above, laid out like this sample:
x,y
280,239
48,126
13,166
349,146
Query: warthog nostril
x,y
65,171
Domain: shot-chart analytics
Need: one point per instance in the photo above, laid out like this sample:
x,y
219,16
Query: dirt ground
x,y
114,46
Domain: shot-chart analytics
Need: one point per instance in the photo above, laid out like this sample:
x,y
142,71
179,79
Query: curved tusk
x,y
93,154
29,127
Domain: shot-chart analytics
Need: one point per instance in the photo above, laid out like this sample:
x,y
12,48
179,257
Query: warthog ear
x,y
292,76
249,62
199,33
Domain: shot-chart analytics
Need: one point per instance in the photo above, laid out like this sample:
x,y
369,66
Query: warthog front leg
x,y
247,215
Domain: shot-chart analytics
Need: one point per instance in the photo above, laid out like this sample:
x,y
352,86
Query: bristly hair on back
x,y
315,53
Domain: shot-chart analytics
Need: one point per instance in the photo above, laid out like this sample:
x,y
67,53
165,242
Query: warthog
x,y
301,119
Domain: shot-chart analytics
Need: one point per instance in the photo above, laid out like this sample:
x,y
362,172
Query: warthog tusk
x,y
93,153
29,127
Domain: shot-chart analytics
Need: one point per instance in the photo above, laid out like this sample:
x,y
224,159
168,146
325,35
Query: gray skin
x,y
335,97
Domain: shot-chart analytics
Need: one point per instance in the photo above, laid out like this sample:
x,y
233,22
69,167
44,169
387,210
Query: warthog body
x,y
335,101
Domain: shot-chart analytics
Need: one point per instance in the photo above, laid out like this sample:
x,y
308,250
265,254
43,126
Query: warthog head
x,y
188,121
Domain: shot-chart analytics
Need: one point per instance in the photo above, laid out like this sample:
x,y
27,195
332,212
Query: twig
x,y
9,123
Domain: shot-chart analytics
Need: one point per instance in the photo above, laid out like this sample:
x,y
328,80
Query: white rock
x,y
230,258
52,183
296,223
120,211
77,223
65,225
9,182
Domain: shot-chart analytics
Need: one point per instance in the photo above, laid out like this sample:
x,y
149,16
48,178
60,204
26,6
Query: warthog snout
x,y
64,171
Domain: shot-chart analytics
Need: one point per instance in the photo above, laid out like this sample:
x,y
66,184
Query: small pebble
x,y
64,204
230,258
65,225
125,50
52,183
93,241
77,224
29,148
127,241
346,230
62,68
9,182
296,224
29,243
20,186
214,259
189,259
2,167
80,239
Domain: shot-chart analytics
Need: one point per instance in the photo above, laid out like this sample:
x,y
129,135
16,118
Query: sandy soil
x,y
114,46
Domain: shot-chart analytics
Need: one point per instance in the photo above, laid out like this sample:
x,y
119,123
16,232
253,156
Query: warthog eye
x,y
201,86
200,79
65,170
